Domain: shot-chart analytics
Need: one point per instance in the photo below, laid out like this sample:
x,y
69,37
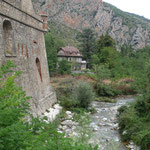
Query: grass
x,y
105,99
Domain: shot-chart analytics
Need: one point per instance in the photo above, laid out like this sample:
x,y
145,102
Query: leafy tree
x,y
109,56
64,67
87,40
101,73
106,53
52,45
126,50
105,41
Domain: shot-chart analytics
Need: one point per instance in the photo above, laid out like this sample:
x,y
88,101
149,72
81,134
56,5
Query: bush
x,y
134,122
83,94
67,102
64,67
106,90
105,99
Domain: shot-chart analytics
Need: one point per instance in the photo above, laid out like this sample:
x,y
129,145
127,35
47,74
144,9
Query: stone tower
x,y
22,41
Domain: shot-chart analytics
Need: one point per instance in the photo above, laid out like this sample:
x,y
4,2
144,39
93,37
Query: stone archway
x,y
8,39
38,64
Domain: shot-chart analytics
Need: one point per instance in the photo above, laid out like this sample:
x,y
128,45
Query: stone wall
x,y
27,50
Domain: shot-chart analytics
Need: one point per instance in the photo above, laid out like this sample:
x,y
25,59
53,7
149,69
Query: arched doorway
x,y
38,64
8,39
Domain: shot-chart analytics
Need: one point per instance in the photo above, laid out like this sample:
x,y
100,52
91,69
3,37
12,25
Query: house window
x,y
8,39
38,64
69,58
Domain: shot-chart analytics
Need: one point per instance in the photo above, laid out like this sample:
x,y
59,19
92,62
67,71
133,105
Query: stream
x,y
105,126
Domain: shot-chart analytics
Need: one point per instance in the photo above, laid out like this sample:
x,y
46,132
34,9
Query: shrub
x,y
83,94
13,108
64,67
134,122
105,99
67,102
106,90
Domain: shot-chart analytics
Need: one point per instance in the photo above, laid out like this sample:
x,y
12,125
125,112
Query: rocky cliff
x,y
104,18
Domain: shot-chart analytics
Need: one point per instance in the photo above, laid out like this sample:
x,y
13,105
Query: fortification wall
x,y
22,41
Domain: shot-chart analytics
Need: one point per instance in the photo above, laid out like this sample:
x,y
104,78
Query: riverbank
x,y
101,127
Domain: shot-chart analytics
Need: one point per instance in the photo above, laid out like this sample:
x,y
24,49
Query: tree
x,y
52,45
126,50
101,73
106,53
109,56
105,41
87,40
64,67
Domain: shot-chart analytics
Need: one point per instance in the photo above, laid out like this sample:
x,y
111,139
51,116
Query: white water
x,y
105,125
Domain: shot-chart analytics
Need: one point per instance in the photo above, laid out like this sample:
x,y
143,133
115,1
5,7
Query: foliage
x,y
134,120
52,45
84,130
105,41
64,67
64,33
106,53
101,73
87,40
105,99
72,94
106,90
18,134
83,95
126,50
13,108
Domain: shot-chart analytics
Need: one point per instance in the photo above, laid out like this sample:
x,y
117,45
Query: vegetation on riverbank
x,y
18,133
134,119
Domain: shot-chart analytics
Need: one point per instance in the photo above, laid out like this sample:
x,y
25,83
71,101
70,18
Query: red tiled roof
x,y
43,13
69,51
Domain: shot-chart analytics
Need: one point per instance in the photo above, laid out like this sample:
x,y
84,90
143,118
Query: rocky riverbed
x,y
104,126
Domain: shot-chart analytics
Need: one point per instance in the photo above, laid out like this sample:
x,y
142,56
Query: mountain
x,y
75,15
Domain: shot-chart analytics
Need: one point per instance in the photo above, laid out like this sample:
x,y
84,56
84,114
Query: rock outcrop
x,y
104,18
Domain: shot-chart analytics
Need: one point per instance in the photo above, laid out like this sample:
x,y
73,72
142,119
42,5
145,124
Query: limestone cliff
x,y
104,18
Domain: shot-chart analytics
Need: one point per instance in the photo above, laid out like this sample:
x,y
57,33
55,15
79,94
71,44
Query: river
x,y
105,124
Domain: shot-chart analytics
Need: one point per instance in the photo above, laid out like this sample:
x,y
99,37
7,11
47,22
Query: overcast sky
x,y
140,7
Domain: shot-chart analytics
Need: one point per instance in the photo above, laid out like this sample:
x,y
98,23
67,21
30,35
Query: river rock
x,y
104,119
132,146
68,123
64,128
68,112
95,129
124,132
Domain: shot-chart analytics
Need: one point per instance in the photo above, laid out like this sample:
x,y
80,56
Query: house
x,y
22,41
72,55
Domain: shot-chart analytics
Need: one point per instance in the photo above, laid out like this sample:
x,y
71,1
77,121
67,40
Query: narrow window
x,y
18,49
38,64
22,49
8,39
27,54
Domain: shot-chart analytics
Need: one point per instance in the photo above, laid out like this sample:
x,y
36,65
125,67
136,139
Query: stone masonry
x,y
22,41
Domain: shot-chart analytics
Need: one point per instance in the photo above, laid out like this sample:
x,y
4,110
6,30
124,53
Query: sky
x,y
140,7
